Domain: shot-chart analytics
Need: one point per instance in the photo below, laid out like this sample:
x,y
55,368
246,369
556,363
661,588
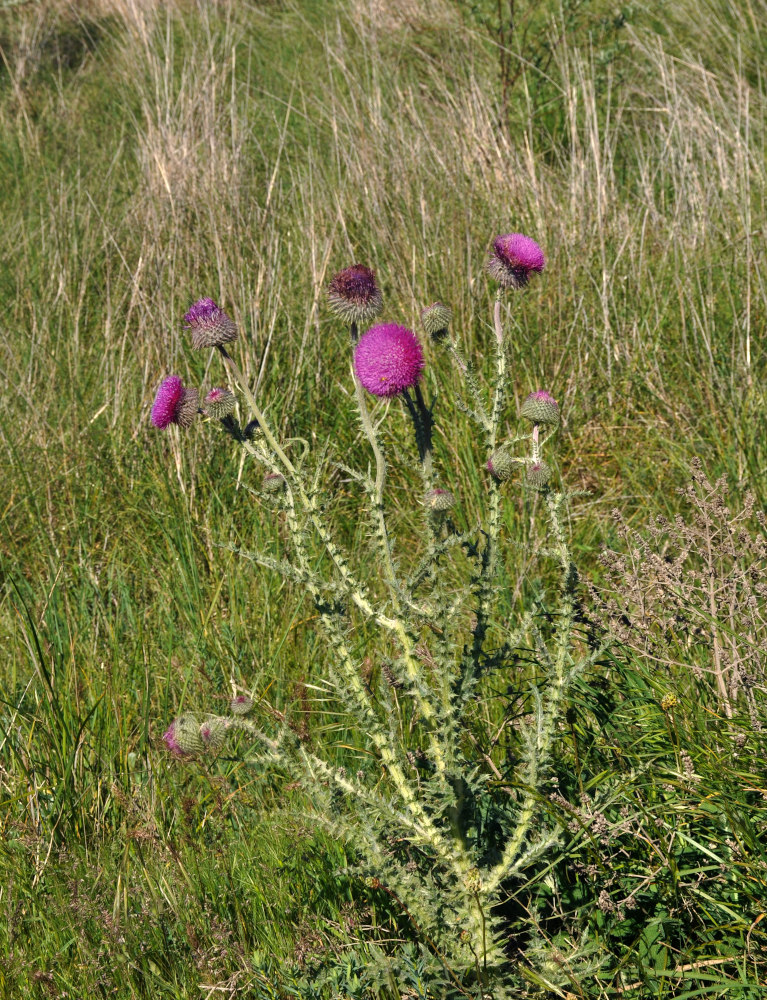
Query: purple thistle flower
x,y
210,326
388,359
513,259
174,404
354,294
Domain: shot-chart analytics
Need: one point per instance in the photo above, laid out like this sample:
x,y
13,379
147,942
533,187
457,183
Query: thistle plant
x,y
444,813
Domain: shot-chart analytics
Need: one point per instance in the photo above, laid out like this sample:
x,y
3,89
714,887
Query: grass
x,y
151,153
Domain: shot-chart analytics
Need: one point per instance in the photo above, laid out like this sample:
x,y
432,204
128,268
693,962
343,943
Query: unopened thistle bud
x,y
240,705
538,475
436,318
541,408
501,464
210,326
183,736
513,259
273,482
219,403
472,880
439,501
213,733
354,295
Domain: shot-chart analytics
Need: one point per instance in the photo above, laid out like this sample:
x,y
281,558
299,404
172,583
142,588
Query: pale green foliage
x,y
418,832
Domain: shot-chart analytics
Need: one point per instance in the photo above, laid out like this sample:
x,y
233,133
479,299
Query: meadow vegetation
x,y
152,153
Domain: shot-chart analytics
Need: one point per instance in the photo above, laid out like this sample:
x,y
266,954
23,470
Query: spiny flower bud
x,y
183,736
354,295
436,318
501,464
213,733
174,404
473,880
541,408
188,408
439,501
210,326
240,705
513,259
388,359
220,402
538,475
273,482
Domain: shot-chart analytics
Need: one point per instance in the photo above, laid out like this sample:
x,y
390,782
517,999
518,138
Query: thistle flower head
x,y
354,294
273,482
513,259
439,501
240,705
540,407
213,733
501,464
436,318
388,359
538,475
219,402
174,403
183,736
210,326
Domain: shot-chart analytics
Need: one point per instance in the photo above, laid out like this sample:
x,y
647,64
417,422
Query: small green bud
x,y
436,318
501,464
541,408
219,403
538,475
473,880
214,732
273,482
439,501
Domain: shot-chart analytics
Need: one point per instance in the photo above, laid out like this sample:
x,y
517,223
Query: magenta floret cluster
x,y
388,359
514,258
167,401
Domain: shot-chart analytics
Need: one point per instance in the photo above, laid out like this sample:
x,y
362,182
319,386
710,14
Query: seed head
x,y
388,359
436,318
668,701
220,402
354,295
439,501
541,408
538,475
513,259
174,404
210,326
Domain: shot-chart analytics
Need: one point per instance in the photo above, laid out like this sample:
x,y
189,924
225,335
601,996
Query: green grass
x,y
246,151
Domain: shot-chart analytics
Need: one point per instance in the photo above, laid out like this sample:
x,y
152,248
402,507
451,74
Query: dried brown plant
x,y
692,592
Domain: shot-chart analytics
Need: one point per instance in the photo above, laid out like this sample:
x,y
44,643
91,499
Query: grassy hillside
x,y
154,153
